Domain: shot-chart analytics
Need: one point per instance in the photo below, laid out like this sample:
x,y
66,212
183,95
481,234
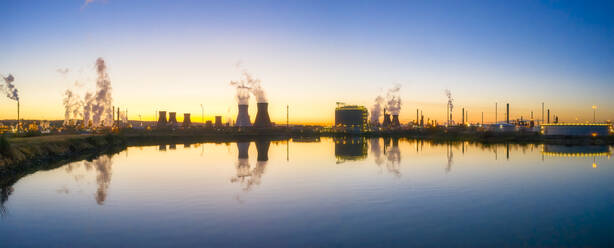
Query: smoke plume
x,y
63,71
450,100
376,110
250,84
242,92
98,107
393,98
72,107
9,88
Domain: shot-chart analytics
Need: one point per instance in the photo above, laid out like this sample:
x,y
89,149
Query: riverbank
x,y
21,154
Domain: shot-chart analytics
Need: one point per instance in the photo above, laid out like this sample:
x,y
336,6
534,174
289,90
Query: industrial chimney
x,y
172,118
395,121
243,117
262,117
186,120
162,119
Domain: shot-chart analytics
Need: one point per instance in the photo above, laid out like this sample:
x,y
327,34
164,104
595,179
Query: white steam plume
x,y
9,88
376,110
450,99
242,92
394,100
73,106
98,107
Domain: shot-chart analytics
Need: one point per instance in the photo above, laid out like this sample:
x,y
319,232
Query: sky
x,y
177,55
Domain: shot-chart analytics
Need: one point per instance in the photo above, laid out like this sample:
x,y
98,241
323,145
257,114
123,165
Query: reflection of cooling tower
x,y
263,149
162,118
262,117
395,121
172,118
243,149
387,122
186,120
243,117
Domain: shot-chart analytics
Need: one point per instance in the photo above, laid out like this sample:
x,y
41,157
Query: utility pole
x,y
496,113
542,112
287,116
202,113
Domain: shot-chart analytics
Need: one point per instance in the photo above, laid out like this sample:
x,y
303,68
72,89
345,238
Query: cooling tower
x,y
172,118
186,120
387,122
243,117
162,118
395,121
262,146
262,117
218,121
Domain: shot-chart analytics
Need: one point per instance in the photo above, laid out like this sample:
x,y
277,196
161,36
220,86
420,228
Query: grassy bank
x,y
18,154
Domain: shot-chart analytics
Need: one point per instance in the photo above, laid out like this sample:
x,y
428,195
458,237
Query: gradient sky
x,y
175,55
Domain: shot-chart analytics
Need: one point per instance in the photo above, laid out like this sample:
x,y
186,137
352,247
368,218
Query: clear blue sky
x,y
175,55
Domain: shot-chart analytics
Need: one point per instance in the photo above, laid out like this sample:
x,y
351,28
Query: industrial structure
x,y
172,119
243,117
351,118
218,121
186,120
262,116
162,118
575,129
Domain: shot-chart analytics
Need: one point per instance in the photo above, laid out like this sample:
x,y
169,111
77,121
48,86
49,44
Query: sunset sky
x,y
176,55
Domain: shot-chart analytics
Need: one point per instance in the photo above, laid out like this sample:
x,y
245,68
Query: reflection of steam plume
x,y
9,88
450,156
103,177
251,177
394,100
376,110
393,158
242,165
376,150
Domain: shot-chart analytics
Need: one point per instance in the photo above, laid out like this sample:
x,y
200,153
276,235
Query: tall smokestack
x,y
262,117
243,117
507,114
162,118
463,119
548,115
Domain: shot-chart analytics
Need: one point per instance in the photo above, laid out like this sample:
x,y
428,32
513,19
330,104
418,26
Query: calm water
x,y
319,193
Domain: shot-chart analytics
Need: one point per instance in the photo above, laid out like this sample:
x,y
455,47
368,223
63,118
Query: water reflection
x,y
594,151
350,149
103,176
245,175
393,156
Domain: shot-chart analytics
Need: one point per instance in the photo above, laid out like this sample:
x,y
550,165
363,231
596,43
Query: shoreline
x,y
33,153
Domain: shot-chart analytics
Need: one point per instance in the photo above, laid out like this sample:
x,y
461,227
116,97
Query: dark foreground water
x,y
351,193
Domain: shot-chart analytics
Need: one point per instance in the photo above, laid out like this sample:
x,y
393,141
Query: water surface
x,y
312,192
